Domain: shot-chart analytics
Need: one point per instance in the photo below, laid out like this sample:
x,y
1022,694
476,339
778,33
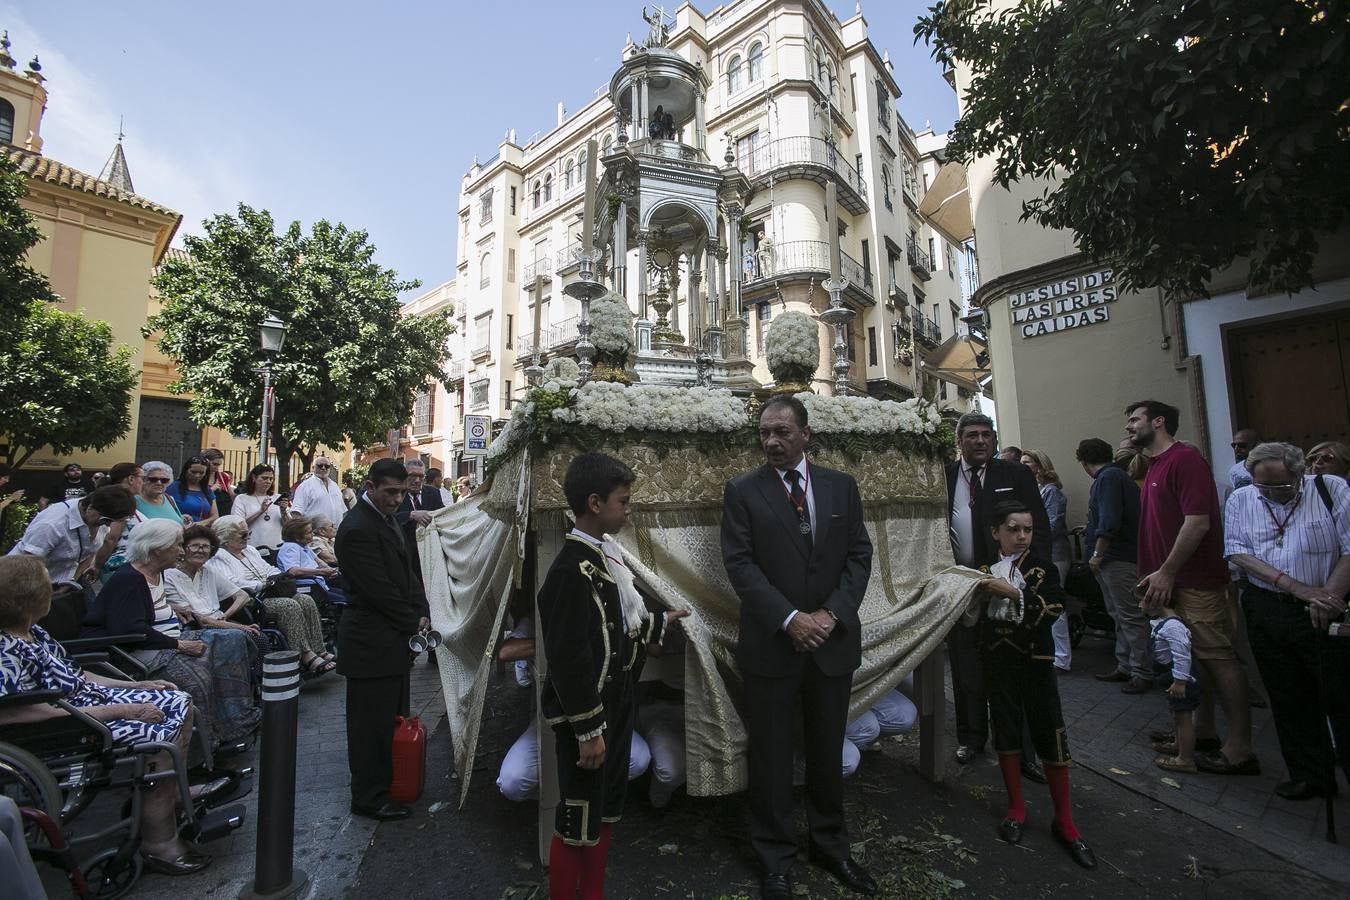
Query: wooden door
x,y
166,432
1290,379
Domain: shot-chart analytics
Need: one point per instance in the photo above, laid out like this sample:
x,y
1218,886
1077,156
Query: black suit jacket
x,y
773,573
1004,481
385,597
430,501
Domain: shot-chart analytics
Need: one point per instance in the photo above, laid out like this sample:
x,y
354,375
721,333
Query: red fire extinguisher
x,y
410,760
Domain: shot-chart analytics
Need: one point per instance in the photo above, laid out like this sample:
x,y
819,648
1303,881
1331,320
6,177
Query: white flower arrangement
x,y
867,415
792,347
612,324
562,368
611,406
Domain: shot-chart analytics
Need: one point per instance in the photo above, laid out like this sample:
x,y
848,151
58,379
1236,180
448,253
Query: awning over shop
x,y
947,204
957,359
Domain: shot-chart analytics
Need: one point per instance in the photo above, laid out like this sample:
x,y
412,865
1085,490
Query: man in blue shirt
x,y
1112,541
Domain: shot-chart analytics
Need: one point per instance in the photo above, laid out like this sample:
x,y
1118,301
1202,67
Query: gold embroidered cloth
x,y
914,595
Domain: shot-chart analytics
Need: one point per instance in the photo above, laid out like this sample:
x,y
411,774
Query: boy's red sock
x,y
1011,765
564,868
594,860
1057,777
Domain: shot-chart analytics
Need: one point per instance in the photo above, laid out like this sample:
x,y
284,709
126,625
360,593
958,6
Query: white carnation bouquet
x,y
612,327
792,347
867,415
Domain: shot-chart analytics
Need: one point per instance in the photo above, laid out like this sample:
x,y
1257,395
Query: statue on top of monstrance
x,y
659,33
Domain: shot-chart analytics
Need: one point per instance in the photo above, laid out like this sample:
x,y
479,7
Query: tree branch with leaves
x,y
1177,136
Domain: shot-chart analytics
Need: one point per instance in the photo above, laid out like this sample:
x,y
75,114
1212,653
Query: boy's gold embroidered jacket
x,y
1043,601
589,652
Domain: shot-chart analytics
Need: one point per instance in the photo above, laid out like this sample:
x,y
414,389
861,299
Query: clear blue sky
x,y
355,112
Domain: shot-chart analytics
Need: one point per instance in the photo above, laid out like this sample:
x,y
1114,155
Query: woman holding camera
x,y
298,618
263,511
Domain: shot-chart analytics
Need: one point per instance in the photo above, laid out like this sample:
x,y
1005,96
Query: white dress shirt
x,y
963,532
1172,647
319,496
804,470
202,593
59,536
265,531
1314,537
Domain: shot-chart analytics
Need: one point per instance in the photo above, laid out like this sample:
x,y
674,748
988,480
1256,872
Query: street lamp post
x,y
273,334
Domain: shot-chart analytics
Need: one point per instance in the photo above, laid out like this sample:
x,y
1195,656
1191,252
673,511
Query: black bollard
x,y
274,874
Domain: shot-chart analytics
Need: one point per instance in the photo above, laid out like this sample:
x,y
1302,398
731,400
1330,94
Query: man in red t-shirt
x,y
1181,549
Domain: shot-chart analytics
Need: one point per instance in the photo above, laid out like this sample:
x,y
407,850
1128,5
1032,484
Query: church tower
x,y
23,99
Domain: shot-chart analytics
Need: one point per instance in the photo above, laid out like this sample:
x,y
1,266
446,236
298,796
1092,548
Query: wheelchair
x,y
56,769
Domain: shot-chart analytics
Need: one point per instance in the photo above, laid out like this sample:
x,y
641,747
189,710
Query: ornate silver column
x,y
585,289
700,139
619,265
696,324
837,317
634,124
646,111
644,324
712,341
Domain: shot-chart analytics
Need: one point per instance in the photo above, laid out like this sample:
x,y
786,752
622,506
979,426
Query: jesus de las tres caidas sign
x,y
1073,302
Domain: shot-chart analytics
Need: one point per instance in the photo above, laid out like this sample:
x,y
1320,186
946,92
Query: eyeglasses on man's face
x,y
322,466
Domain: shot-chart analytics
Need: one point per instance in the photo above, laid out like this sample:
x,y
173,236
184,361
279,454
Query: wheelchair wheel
x,y
28,782
110,878
1077,628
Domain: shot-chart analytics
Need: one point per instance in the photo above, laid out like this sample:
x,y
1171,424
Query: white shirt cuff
x,y
788,620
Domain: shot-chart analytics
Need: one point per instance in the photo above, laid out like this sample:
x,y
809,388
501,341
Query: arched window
x,y
886,181
569,175
754,62
548,188
831,82
485,270
581,165
6,122
734,81
606,144
534,195
820,62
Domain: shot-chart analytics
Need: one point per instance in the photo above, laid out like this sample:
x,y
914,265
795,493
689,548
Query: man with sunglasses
x,y
1290,533
68,535
320,494
1244,439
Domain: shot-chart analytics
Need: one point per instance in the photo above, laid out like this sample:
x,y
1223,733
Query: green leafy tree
x,y
1177,135
67,384
352,359
19,284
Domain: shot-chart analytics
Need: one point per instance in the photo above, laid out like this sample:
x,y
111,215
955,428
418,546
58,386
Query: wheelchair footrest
x,y
216,824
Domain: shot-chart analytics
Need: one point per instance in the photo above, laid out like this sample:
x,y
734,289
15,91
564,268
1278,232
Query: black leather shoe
x,y
776,886
1136,686
1032,771
965,753
386,812
1010,830
182,864
1302,790
1079,850
849,872
1115,675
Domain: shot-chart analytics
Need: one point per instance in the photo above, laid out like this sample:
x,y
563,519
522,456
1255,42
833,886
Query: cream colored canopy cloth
x,y
673,545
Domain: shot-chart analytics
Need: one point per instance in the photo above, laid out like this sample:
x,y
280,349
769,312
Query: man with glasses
x,y
1290,533
1180,561
320,495
1244,439
71,537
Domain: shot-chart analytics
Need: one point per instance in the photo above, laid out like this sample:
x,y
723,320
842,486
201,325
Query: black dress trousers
x,y
372,705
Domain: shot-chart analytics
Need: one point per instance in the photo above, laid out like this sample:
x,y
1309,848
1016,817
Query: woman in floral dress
x,y
134,711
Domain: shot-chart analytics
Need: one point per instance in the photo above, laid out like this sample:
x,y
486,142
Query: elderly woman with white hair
x,y
135,601
325,532
1289,531
152,502
242,565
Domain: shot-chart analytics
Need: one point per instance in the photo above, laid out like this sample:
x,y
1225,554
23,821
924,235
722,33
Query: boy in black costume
x,y
595,631
1017,649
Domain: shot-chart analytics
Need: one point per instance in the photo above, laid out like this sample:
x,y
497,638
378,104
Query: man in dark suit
x,y
386,605
798,556
422,499
975,483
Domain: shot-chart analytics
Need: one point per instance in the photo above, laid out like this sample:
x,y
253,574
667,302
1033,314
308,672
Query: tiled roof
x,y
115,171
43,168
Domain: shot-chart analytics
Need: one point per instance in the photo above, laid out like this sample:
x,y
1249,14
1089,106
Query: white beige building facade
x,y
772,100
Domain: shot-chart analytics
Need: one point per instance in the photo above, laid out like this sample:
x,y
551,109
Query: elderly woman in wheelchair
x,y
135,712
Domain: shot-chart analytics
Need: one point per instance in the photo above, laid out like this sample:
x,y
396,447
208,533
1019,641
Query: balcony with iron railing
x,y
919,263
536,268
811,258
559,334
455,370
812,158
925,329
